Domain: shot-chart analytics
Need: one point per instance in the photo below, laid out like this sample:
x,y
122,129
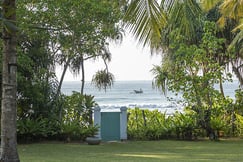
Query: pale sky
x,y
130,61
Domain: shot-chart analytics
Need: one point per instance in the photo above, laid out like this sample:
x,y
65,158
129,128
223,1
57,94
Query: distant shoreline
x,y
114,81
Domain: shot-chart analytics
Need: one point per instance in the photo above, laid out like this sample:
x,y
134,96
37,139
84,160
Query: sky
x,y
130,61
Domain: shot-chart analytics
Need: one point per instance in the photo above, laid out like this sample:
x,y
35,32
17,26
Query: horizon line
x,y
114,81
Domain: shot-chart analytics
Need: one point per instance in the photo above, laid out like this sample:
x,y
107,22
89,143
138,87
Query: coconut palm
x,y
9,83
145,19
150,22
233,9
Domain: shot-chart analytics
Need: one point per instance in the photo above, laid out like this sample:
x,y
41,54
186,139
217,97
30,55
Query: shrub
x,y
75,131
30,130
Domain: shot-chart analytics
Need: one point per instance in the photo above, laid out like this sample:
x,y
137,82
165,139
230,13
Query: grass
x,y
137,151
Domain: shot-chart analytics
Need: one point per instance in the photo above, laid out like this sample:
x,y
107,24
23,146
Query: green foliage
x,y
238,112
184,125
185,17
77,117
239,101
76,131
195,62
49,36
239,124
145,124
29,130
193,69
145,19
78,36
154,125
217,123
189,125
76,123
36,79
103,79
78,108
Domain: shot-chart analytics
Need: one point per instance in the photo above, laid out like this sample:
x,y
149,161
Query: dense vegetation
x,y
155,125
201,44
60,33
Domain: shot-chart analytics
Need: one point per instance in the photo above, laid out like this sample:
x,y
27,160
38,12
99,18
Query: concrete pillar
x,y
97,120
123,123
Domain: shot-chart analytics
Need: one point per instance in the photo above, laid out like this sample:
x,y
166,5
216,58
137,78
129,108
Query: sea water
x,y
122,94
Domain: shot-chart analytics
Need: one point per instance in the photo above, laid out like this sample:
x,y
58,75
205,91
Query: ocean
x,y
122,94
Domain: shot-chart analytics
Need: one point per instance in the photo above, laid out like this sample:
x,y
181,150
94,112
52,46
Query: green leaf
x,y
145,19
10,26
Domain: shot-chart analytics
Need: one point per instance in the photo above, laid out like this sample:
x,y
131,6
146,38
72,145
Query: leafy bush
x,y
184,125
78,108
148,125
29,130
154,125
77,118
239,124
75,131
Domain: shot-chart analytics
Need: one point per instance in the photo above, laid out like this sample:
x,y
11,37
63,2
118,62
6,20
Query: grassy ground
x,y
139,151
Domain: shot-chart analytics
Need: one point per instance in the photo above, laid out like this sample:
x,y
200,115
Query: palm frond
x,y
103,79
167,5
145,19
232,9
185,15
209,4
239,27
160,78
238,43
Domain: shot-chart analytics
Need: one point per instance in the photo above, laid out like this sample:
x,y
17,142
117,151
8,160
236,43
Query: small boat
x,y
138,91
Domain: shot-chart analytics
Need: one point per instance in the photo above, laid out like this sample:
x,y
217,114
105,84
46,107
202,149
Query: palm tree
x,y
145,19
150,22
9,84
231,9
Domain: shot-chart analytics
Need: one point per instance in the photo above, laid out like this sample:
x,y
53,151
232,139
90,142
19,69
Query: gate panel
x,y
110,126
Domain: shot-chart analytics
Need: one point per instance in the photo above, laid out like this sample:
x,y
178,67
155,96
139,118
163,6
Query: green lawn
x,y
139,151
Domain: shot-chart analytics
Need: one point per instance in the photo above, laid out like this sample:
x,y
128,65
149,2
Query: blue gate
x,y
110,126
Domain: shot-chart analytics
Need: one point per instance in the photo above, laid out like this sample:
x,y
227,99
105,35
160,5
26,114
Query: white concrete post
x,y
123,123
97,120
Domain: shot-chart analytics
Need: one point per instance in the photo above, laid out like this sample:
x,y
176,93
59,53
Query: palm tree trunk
x,y
9,151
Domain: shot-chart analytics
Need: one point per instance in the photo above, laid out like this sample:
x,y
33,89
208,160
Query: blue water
x,y
122,94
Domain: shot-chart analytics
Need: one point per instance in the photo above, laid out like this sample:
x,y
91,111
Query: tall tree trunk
x,y
221,87
238,74
60,86
83,77
62,77
9,151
